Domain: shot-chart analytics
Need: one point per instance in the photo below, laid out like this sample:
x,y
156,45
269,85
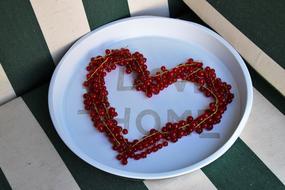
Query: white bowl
x,y
163,41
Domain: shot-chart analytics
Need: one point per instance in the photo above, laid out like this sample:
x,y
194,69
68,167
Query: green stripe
x,y
263,86
267,90
240,168
102,12
4,184
23,52
86,176
262,21
177,8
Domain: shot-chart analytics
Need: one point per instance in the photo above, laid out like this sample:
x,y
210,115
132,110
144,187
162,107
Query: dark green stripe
x,y
267,90
240,168
23,52
4,184
85,175
177,8
102,12
261,21
264,87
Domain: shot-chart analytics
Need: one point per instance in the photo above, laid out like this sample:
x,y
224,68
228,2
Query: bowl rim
x,y
173,173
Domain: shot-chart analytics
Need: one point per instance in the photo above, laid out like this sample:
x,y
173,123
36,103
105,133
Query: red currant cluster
x,y
103,115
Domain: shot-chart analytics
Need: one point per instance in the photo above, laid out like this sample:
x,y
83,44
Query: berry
x,y
125,131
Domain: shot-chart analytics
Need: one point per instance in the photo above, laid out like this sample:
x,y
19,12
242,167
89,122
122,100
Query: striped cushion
x,y
35,34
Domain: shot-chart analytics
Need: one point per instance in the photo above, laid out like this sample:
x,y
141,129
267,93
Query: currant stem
x,y
98,68
182,65
106,111
145,137
103,121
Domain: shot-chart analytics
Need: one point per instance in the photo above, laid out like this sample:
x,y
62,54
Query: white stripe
x,y
258,59
6,90
196,180
265,135
62,22
148,7
27,157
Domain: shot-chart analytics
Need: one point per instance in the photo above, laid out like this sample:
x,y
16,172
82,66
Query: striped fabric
x,y
35,34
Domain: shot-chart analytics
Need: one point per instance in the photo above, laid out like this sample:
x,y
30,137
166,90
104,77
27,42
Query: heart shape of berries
x,y
103,115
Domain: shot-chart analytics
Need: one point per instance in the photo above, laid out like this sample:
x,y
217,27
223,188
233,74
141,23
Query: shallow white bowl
x,y
163,41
